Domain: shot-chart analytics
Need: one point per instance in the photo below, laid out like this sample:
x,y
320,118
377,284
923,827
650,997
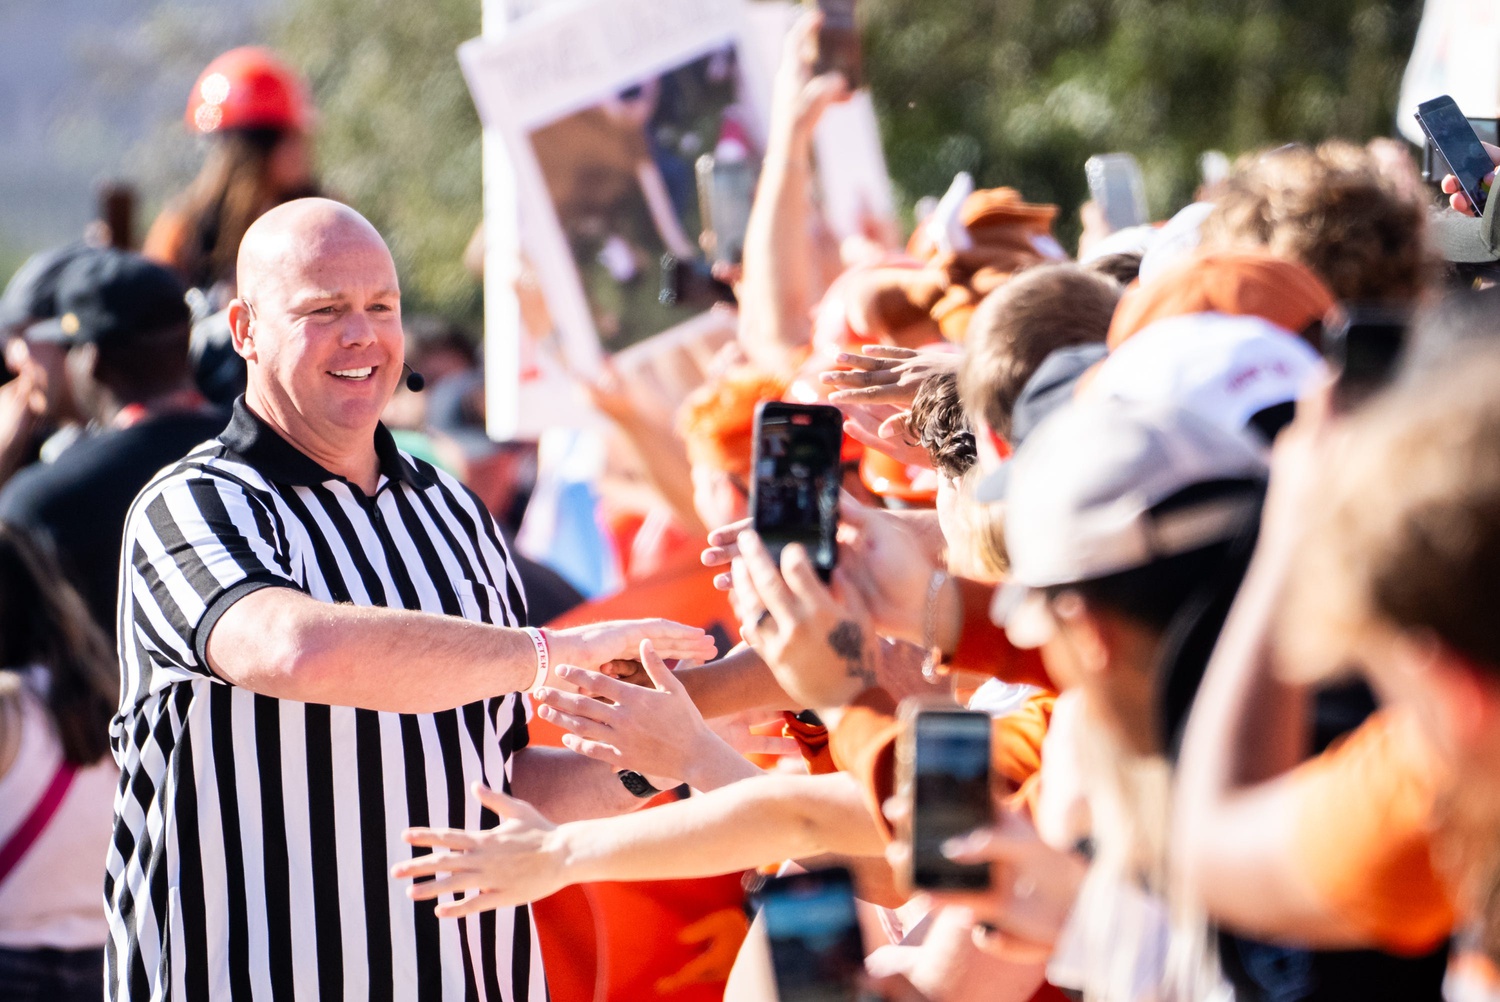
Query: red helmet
x,y
247,88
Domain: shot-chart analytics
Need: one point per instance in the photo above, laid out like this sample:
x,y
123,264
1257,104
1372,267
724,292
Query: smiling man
x,y
321,645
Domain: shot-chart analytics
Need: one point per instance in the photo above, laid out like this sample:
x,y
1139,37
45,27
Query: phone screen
x,y
795,495
1117,187
817,953
726,191
950,784
1459,144
838,42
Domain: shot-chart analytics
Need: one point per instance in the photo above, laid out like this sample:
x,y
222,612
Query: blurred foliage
x,y
1022,92
397,134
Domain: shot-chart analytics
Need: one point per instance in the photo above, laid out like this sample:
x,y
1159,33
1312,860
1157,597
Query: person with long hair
x,y
254,112
59,684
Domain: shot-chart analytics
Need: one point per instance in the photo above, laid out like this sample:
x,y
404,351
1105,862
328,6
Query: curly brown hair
x,y
941,427
1331,209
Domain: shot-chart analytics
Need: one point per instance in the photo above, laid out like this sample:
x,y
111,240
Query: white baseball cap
x,y
1084,494
1224,368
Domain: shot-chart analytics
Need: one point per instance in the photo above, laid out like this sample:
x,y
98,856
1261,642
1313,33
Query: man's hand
x,y
884,428
1456,197
886,564
799,98
514,864
885,374
600,643
656,731
1032,885
819,643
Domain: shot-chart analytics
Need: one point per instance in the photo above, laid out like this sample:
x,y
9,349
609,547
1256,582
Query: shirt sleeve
x,y
1363,836
864,745
984,648
194,546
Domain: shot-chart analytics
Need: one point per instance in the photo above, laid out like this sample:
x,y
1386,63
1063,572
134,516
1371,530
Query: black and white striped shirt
x,y
254,836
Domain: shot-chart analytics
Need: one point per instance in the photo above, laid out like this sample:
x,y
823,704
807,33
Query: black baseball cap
x,y
111,296
31,293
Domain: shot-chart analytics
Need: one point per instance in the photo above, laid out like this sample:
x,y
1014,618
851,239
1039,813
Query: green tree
x,y
1020,92
397,136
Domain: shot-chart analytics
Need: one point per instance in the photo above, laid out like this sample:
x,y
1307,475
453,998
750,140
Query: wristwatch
x,y
638,785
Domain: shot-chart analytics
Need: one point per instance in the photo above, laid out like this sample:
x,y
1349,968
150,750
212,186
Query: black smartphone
x,y
794,496
1118,188
1454,138
838,42
726,190
944,767
817,952
690,283
1364,346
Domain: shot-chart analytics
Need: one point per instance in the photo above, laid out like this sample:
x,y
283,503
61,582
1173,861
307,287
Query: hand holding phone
x,y
794,496
1472,163
838,43
943,767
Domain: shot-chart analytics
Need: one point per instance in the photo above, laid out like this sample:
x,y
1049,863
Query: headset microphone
x,y
414,379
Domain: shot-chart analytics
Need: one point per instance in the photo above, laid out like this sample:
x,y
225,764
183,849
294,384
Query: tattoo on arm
x,y
848,642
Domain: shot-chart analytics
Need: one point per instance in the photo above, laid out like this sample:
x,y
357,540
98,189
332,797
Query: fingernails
x,y
564,671
963,846
544,692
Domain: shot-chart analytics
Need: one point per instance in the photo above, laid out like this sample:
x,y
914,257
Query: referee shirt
x,y
254,836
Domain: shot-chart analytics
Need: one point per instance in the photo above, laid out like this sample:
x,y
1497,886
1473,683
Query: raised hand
x,y
885,374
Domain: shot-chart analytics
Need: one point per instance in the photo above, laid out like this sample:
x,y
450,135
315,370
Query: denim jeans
x,y
51,975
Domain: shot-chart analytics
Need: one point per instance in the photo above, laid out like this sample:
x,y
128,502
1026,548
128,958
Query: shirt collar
x,y
258,444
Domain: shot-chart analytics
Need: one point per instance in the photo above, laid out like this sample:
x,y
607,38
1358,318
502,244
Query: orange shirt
x,y
864,745
1364,834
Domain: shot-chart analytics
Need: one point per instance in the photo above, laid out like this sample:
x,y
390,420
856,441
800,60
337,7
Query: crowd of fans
x,y
1234,622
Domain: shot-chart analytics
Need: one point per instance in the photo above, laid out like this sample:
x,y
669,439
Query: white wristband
x,y
543,659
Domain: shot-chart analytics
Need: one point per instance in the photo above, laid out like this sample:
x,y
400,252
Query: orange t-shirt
x,y
1364,834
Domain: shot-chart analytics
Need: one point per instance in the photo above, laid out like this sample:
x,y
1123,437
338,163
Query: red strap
x,y
52,798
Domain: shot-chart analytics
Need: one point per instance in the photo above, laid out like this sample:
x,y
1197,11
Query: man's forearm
x,y
737,682
280,642
758,821
567,787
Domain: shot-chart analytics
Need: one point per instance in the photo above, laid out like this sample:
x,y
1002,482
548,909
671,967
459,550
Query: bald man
x,y
321,644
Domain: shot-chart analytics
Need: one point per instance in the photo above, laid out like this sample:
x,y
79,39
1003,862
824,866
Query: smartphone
x,y
794,496
1117,187
817,952
690,283
1453,137
943,766
1434,167
838,42
1364,346
726,190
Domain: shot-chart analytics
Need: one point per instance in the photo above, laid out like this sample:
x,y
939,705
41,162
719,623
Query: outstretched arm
x,y
776,292
757,821
281,642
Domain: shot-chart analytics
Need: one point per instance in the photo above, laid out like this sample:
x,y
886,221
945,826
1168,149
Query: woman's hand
x,y
517,863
